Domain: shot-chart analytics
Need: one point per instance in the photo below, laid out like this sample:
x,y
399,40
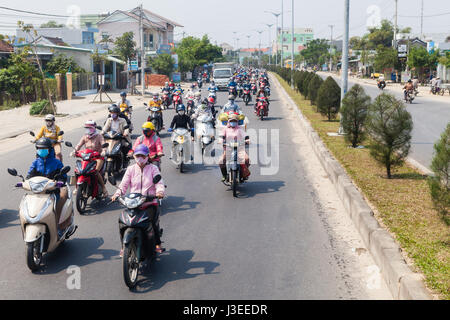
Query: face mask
x,y
147,133
49,124
233,124
141,161
89,131
43,153
114,116
181,113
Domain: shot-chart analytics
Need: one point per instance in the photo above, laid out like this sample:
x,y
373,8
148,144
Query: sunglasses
x,y
140,156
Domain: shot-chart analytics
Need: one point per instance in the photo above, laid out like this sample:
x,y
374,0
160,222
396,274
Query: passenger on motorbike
x,y
118,124
139,179
93,140
51,130
231,105
153,143
123,103
232,131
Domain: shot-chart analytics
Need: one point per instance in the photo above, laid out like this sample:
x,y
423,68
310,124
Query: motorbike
x,y
247,96
232,91
166,100
190,106
116,160
180,139
381,85
409,97
60,133
240,91
200,83
177,100
155,118
204,130
233,167
253,88
44,223
262,108
267,91
86,177
212,94
437,90
137,234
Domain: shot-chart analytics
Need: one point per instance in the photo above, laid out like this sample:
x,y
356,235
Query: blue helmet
x,y
181,107
123,94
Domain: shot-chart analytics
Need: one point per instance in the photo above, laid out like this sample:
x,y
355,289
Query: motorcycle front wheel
x,y
234,182
81,200
34,254
130,265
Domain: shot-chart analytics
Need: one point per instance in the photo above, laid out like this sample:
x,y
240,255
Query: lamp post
x,y
344,84
270,42
276,16
259,51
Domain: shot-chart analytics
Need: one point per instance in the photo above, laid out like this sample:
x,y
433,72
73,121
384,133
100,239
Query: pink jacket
x,y
230,133
139,180
153,143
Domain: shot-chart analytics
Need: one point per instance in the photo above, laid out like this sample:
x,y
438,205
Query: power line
x,y
35,13
428,16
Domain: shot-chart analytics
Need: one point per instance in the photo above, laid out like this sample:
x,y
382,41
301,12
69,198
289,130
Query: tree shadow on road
x,y
172,266
7,216
79,252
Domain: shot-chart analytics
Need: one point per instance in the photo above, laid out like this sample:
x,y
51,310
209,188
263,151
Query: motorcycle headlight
x,y
85,156
37,187
116,149
180,139
133,203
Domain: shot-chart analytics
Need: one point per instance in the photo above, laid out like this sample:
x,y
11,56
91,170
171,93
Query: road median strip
x,y
401,280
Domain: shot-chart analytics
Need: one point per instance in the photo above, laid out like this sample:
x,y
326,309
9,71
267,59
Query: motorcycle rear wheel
x,y
130,265
234,182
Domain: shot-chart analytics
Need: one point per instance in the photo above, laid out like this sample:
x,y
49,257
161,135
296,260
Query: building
x,y
5,50
226,49
302,36
252,53
158,31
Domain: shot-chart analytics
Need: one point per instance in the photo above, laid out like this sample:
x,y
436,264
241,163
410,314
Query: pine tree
x,y
313,89
329,98
354,112
389,125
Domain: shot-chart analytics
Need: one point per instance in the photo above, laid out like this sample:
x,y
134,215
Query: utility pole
x,y
276,34
141,28
282,30
292,49
259,51
331,43
237,49
421,23
395,25
344,84
270,42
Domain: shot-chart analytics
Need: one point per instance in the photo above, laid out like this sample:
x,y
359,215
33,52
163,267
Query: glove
x,y
170,130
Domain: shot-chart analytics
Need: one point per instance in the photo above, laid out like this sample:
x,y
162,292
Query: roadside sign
x,y
134,65
176,77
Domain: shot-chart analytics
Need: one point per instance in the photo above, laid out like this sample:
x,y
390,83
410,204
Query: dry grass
x,y
402,204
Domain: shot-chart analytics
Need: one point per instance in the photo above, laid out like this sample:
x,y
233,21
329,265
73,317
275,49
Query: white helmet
x,y
197,94
49,117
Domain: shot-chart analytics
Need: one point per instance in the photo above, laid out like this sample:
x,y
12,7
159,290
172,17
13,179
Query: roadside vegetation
x,y
402,203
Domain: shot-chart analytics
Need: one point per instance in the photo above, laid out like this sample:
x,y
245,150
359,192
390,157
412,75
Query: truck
x,y
221,77
224,65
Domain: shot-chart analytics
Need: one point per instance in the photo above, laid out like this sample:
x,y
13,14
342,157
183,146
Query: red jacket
x,y
153,143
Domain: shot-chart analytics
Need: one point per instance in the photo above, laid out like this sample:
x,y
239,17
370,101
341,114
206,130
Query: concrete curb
x,y
402,282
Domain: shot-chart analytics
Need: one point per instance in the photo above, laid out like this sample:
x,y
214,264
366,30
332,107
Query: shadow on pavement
x,y
175,204
172,266
77,252
251,189
7,216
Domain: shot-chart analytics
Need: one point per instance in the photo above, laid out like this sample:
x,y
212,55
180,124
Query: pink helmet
x,y
90,124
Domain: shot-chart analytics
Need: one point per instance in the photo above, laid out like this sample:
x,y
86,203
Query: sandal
x,y
160,250
121,253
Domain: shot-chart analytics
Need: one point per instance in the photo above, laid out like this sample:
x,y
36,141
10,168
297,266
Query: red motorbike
x,y
86,176
247,96
262,108
177,100
166,100
253,89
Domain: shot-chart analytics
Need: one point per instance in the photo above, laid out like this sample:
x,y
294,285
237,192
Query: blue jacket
x,y
47,167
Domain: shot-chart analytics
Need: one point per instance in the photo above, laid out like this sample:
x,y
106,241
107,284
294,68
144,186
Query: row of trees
x,y
384,124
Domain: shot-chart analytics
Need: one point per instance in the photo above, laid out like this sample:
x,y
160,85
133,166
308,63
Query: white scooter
x,y
45,223
204,130
181,141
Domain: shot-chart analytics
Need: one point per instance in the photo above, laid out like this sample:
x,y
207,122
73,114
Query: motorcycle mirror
x,y
61,133
32,134
126,127
105,145
157,179
98,128
65,170
68,144
12,172
112,180
145,104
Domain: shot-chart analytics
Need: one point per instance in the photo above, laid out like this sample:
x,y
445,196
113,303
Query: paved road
x,y
430,116
271,243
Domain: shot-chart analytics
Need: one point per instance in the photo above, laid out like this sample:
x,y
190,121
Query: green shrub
x,y
354,112
313,89
329,98
40,107
389,125
305,83
440,182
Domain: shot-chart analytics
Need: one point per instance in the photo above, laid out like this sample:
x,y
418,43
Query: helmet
x,y
148,126
181,107
44,143
123,94
197,94
233,117
156,95
49,117
166,84
90,124
205,101
114,108
141,149
231,97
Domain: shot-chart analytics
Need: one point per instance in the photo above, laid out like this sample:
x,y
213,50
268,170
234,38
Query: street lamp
x,y
292,49
276,16
259,51
270,42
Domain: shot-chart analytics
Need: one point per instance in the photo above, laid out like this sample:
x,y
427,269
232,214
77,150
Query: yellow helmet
x,y
241,117
223,117
148,125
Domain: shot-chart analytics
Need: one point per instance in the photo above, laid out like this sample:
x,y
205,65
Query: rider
x,y
231,105
139,179
232,131
156,103
213,87
232,83
117,124
50,130
123,103
409,88
153,143
172,86
46,165
94,141
197,99
381,82
181,120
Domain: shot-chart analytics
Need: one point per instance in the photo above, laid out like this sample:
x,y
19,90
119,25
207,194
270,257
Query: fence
x,y
84,82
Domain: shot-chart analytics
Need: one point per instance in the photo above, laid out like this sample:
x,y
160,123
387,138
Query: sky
x,y
220,19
